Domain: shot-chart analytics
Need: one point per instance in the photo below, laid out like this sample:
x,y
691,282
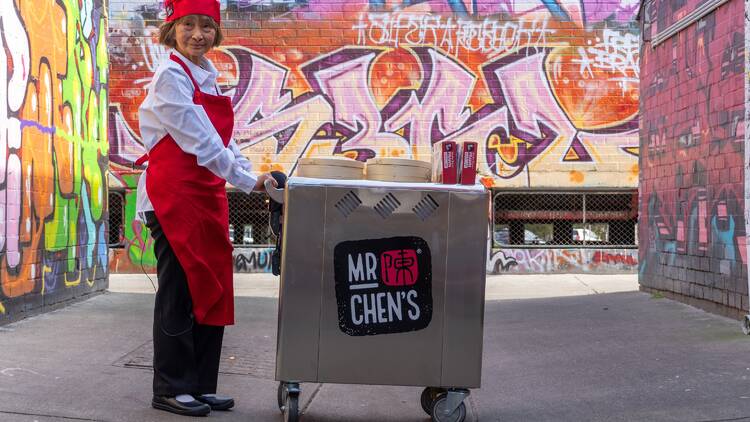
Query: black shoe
x,y
216,402
171,404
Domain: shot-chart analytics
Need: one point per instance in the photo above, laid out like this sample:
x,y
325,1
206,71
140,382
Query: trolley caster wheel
x,y
291,408
746,325
281,396
439,410
287,397
427,399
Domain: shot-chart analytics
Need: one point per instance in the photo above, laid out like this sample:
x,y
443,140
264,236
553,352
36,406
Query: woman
x,y
187,127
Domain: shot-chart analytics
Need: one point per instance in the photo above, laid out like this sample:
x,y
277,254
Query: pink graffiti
x,y
13,82
427,113
266,95
581,12
124,145
340,114
602,257
561,260
343,77
523,73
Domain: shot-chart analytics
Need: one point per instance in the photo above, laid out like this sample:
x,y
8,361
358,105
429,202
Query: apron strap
x,y
187,70
142,159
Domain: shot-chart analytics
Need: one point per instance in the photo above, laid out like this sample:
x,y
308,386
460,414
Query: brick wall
x,y
53,146
549,89
692,226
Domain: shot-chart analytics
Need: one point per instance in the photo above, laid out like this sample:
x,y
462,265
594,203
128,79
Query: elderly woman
x,y
186,125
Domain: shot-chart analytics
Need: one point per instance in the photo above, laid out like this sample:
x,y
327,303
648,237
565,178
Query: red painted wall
x,y
692,229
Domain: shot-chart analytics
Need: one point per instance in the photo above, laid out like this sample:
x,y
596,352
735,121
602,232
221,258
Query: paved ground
x,y
556,348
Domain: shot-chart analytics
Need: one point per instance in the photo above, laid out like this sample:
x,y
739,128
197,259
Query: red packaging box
x,y
468,163
445,163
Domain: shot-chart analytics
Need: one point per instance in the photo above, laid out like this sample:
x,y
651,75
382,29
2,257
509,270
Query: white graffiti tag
x,y
13,94
489,36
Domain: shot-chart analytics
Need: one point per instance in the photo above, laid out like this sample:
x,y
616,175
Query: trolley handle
x,y
276,194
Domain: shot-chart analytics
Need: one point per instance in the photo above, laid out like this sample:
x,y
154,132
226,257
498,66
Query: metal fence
x,y
565,219
521,219
116,209
248,219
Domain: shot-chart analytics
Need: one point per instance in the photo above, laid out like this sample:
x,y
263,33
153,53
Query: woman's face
x,y
195,36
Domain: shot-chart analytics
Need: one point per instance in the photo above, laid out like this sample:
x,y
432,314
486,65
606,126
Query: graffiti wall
x,y
747,125
692,230
530,261
54,162
252,260
549,89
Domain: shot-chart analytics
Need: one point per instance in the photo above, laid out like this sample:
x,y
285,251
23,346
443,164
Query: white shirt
x,y
169,108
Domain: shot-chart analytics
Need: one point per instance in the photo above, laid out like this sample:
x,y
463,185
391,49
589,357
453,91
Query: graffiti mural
x,y
562,261
252,260
747,126
549,89
53,168
692,135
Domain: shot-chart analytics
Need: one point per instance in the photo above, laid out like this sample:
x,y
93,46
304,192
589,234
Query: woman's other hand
x,y
260,183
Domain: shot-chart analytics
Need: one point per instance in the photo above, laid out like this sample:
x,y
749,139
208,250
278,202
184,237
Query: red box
x,y
469,163
399,267
445,163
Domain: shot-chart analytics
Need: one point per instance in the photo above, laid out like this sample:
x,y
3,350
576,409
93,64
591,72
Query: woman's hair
x,y
167,32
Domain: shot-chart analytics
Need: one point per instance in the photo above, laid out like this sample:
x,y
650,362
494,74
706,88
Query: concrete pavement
x,y
556,348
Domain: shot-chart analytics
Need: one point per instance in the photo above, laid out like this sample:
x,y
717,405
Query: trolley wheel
x,y
291,408
428,397
281,396
438,411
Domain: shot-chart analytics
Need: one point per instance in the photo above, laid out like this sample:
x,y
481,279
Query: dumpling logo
x,y
383,286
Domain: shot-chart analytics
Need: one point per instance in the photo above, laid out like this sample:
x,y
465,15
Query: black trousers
x,y
186,354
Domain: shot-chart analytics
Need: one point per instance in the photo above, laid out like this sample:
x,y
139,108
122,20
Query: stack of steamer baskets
x,y
330,168
381,169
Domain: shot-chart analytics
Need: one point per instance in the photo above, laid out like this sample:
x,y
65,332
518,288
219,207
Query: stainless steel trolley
x,y
382,283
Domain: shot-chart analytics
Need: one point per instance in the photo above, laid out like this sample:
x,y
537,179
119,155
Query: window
x,y
565,219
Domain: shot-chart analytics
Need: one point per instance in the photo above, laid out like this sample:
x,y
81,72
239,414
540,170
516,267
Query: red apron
x,y
190,203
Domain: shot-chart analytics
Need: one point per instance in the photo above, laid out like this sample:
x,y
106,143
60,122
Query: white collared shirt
x,y
169,108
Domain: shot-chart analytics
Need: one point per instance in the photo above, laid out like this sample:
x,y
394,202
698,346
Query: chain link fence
x,y
521,219
565,219
248,219
116,210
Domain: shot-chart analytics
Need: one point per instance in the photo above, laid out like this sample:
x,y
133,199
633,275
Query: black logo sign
x,y
383,286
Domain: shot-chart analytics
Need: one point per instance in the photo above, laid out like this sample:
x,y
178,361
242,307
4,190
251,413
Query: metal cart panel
x,y
297,348
425,242
462,348
405,358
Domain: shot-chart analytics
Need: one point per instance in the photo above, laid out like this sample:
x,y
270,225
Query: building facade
x,y
692,193
549,90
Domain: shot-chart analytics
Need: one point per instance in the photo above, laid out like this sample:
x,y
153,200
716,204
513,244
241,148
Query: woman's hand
x,y
260,183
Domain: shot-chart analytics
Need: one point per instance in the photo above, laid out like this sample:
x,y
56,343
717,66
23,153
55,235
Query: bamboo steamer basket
x,y
330,168
398,170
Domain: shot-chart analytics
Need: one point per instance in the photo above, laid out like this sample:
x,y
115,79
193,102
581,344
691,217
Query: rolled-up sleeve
x,y
243,161
193,131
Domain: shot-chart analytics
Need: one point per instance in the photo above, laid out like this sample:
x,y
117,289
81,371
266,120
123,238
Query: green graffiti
x,y
78,211
137,236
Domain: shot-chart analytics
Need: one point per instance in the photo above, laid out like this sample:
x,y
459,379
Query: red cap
x,y
178,8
